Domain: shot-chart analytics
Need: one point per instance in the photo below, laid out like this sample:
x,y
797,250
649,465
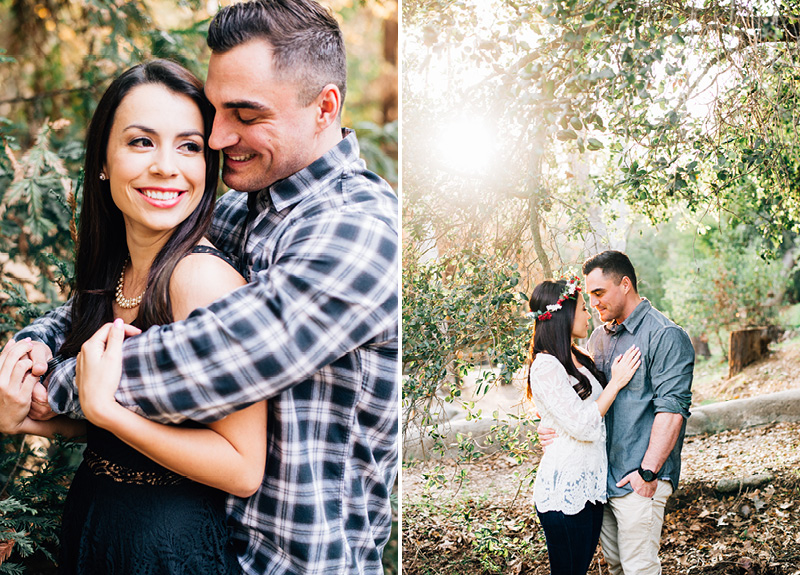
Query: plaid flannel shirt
x,y
314,333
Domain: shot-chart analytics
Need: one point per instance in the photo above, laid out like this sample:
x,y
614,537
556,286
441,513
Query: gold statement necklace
x,y
121,300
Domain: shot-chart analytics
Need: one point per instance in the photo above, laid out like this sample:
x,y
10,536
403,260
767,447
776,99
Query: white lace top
x,y
574,467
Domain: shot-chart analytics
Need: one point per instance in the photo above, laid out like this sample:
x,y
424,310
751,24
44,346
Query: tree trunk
x,y
535,222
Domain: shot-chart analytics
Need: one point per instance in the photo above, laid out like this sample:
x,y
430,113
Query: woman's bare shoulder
x,y
198,280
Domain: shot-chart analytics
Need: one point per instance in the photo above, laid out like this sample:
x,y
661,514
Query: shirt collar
x,y
304,183
633,321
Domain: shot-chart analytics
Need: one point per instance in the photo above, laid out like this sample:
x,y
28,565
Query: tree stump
x,y
700,345
746,346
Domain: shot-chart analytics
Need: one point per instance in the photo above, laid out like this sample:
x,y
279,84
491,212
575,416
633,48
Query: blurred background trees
x,y
56,59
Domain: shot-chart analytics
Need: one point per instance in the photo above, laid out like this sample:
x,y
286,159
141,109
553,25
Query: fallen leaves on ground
x,y
487,524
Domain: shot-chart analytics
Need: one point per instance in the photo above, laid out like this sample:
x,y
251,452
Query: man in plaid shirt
x,y
315,330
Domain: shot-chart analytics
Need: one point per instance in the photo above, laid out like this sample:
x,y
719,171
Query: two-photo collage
x,y
371,287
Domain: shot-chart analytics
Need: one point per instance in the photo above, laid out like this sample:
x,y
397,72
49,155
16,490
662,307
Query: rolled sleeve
x,y
671,371
61,390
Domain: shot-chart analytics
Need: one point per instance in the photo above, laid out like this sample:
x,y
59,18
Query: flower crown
x,y
570,292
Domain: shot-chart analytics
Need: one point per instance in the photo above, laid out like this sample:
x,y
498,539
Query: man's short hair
x,y
613,263
307,43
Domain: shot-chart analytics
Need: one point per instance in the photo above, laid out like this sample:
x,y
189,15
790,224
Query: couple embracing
x,y
236,365
612,419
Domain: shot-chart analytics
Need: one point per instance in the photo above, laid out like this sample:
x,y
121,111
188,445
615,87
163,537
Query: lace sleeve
x,y
554,396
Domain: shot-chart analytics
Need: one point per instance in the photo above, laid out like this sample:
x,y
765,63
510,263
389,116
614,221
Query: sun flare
x,y
467,147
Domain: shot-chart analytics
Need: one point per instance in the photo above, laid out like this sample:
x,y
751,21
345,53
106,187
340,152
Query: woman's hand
x,y
16,385
624,366
99,369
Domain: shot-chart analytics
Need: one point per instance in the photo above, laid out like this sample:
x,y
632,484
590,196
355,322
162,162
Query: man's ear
x,y
626,284
329,103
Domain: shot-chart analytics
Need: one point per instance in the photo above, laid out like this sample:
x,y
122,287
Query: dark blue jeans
x,y
572,539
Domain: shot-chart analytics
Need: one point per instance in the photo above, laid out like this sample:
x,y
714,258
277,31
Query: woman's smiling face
x,y
154,159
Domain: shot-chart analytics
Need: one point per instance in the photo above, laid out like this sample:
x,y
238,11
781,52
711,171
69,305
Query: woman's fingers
x,y
101,335
11,355
632,351
131,330
21,368
114,341
111,334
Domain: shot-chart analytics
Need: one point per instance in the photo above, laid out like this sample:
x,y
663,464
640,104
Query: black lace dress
x,y
127,515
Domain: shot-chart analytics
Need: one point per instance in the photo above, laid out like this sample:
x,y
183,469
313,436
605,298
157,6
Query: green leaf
x,y
594,144
566,135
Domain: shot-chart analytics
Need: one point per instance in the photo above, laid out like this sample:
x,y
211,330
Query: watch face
x,y
647,475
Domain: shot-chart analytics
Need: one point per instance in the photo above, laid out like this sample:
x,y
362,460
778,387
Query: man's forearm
x,y
322,297
51,328
663,436
61,425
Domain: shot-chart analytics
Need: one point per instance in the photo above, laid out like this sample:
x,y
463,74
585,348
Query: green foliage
x,y
729,289
34,485
379,146
38,207
516,438
790,316
453,311
710,277
38,210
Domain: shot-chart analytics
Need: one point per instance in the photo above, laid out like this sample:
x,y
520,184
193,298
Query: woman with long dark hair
x,y
571,396
148,498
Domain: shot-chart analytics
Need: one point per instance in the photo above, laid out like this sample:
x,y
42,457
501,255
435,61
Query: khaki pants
x,y
631,532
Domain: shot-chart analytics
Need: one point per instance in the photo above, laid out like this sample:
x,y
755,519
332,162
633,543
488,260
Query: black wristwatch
x,y
648,475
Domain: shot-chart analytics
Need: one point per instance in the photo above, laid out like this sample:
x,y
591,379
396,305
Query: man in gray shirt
x,y
646,423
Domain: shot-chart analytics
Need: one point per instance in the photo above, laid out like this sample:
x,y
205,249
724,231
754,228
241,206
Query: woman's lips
x,y
161,197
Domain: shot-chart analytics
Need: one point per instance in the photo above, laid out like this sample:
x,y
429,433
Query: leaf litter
x,y
487,523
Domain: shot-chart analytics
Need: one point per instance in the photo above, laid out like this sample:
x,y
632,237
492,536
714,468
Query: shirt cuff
x,y
670,405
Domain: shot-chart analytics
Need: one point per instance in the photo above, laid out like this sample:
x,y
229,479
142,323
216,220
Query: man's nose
x,y
222,134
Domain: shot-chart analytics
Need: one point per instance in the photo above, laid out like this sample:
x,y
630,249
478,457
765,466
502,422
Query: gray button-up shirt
x,y
661,384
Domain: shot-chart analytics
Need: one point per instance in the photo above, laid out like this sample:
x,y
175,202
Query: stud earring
x,y
102,176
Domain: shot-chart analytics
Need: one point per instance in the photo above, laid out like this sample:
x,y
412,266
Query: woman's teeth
x,y
157,195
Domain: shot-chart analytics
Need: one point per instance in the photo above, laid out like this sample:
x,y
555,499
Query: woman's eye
x,y
193,147
141,142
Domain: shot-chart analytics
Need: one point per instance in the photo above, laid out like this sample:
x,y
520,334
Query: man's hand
x,y
639,485
16,385
547,435
40,354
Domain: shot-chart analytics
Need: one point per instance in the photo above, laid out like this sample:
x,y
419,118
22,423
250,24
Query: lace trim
x,y
122,474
